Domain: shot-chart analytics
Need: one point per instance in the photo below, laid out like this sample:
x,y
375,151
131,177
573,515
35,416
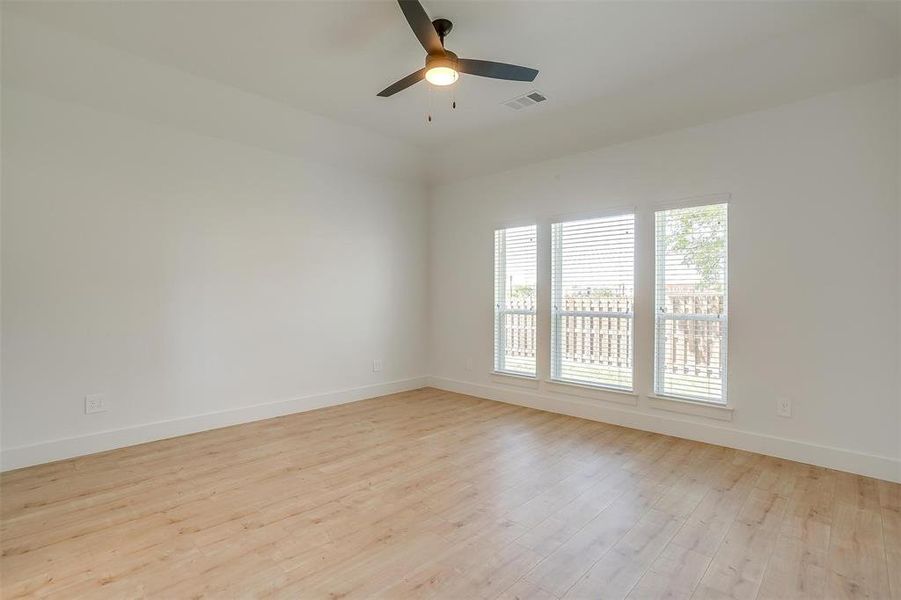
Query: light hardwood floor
x,y
435,494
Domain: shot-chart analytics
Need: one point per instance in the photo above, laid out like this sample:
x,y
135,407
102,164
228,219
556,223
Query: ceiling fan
x,y
442,67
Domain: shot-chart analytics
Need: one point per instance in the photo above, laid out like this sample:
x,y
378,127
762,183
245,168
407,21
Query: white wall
x,y
195,281
899,254
814,266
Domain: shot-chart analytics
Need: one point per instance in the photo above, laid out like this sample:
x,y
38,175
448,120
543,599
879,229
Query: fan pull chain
x,y
429,96
454,89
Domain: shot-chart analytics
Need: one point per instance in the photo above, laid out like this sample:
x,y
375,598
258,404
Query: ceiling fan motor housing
x,y
449,60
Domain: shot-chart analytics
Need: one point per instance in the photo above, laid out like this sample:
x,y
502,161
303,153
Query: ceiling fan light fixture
x,y
440,70
441,76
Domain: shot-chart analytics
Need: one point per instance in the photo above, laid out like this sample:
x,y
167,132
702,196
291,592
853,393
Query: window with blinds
x,y
593,273
691,303
515,276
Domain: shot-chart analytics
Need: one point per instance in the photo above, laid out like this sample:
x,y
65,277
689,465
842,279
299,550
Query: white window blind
x,y
691,303
515,275
592,301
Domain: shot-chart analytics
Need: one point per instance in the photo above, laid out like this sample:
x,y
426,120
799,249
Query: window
x,y
691,309
592,308
515,267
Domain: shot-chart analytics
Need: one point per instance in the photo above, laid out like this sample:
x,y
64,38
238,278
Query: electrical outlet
x,y
376,365
784,407
469,363
94,403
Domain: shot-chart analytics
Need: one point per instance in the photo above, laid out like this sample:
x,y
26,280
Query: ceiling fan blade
x,y
422,26
496,70
403,84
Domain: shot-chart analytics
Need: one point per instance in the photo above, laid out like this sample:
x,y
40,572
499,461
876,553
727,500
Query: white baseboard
x,y
44,452
881,467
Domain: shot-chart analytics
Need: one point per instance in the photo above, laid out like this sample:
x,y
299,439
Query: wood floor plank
x,y
796,569
857,564
740,561
673,575
526,590
617,571
890,505
431,494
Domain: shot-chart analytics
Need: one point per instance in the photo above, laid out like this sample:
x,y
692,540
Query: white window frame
x,y
500,340
659,316
556,299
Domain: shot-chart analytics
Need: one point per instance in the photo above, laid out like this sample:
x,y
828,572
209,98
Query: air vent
x,y
530,99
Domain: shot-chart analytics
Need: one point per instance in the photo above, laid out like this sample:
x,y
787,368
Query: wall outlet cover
x,y
784,407
376,365
94,403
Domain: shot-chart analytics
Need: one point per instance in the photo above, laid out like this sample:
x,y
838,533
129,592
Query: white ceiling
x,y
612,70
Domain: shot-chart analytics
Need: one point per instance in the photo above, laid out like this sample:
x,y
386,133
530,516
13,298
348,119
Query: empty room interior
x,y
458,300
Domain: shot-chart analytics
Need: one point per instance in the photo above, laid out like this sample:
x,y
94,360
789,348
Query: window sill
x,y
515,379
595,392
721,412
